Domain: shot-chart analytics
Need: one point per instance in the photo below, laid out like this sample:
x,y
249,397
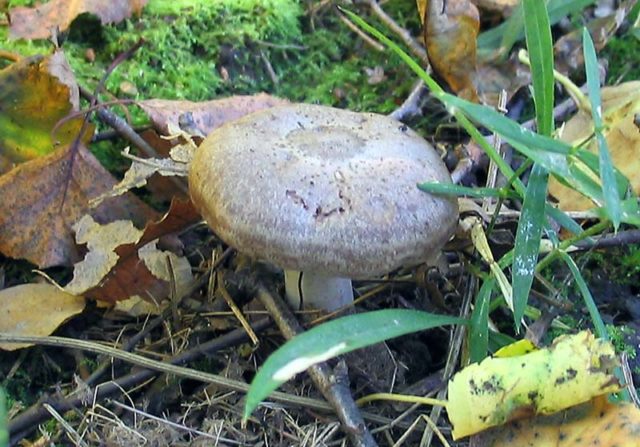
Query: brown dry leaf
x,y
162,188
34,223
597,422
38,22
200,118
620,105
35,309
493,77
450,30
137,267
35,94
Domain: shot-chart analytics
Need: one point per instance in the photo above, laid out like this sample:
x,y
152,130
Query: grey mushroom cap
x,y
314,188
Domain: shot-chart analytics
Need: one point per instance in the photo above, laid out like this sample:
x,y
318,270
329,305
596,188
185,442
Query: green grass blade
x,y
540,48
335,338
596,318
527,244
532,219
464,191
507,128
479,323
607,174
4,431
503,35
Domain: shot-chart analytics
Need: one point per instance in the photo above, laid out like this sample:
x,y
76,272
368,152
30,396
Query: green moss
x,y
618,338
624,60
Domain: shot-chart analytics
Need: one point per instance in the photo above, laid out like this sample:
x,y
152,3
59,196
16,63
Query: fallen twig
x,y
404,34
28,420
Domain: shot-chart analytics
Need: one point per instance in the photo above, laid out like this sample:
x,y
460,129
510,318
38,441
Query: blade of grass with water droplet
x,y
335,338
531,222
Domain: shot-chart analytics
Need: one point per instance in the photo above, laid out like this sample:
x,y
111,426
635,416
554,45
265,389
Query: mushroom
x,y
326,194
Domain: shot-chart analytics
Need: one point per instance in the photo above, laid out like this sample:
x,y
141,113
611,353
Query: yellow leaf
x,y
520,347
620,105
35,309
35,94
450,31
597,422
571,371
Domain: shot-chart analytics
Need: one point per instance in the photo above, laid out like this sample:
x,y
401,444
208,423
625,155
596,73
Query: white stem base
x,y
318,291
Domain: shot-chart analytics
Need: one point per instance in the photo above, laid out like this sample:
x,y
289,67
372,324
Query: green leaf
x,y
540,48
589,302
507,128
335,338
479,323
607,174
527,243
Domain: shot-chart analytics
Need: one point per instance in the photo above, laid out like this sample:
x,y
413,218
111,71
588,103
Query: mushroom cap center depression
x,y
313,188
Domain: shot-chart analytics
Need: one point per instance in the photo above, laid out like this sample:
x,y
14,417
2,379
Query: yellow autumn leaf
x,y
35,309
571,371
620,105
597,422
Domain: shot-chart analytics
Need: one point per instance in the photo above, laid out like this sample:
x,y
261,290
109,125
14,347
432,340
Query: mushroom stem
x,y
319,291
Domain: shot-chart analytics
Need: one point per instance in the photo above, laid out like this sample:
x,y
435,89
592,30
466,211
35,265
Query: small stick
x,y
371,42
336,393
37,414
417,49
411,106
236,310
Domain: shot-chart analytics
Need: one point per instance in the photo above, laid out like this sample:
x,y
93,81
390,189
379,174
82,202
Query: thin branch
x,y
368,40
411,106
416,49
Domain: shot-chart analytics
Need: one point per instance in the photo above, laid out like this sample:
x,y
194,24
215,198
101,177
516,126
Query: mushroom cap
x,y
314,188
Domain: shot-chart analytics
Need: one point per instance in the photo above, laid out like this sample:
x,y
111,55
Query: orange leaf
x,y
450,31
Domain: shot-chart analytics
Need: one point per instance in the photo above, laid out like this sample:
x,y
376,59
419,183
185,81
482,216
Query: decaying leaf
x,y
36,225
200,118
571,371
35,93
495,76
597,422
35,309
142,169
38,22
620,105
134,307
450,31
126,267
101,242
